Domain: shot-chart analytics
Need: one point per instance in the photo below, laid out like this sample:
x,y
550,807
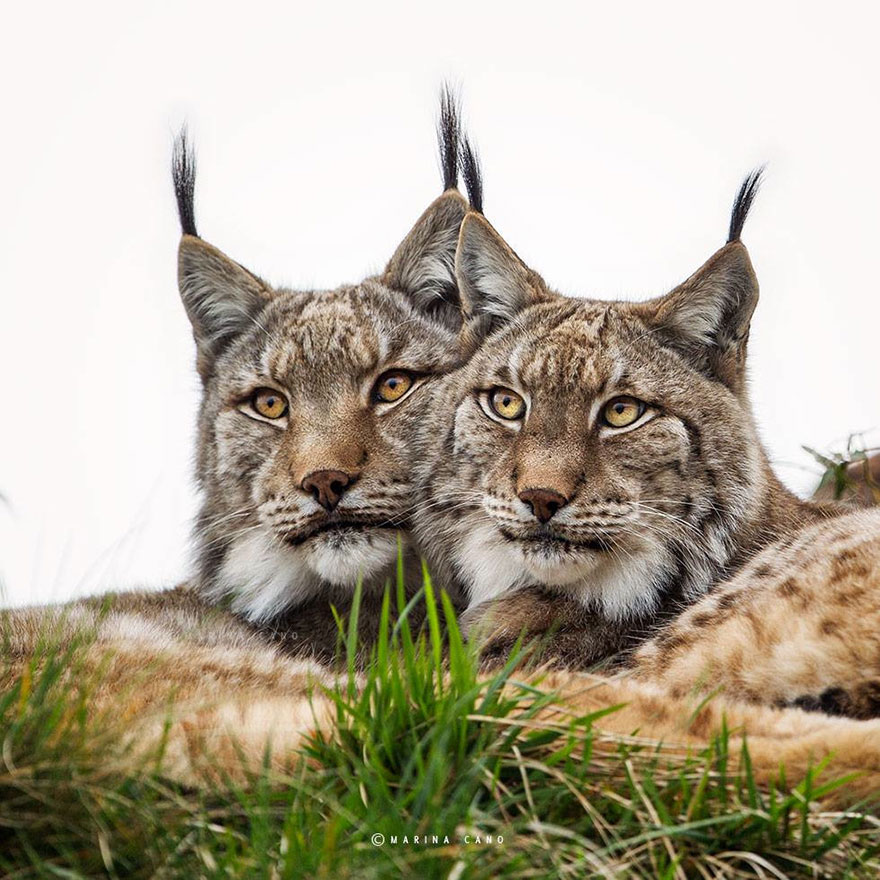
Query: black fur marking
x,y
861,701
678,576
448,135
472,174
833,701
743,203
183,173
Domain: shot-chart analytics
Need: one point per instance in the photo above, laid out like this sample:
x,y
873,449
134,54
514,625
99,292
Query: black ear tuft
x,y
472,174
743,203
183,173
448,133
456,151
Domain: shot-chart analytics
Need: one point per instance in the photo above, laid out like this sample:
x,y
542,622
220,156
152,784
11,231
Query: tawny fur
x,y
788,740
647,518
271,544
272,559
204,687
799,622
163,670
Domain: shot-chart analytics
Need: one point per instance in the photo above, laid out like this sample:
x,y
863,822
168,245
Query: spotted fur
x,y
799,624
236,699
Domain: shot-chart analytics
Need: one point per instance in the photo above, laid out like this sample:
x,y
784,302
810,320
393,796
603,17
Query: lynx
x,y
712,476
305,469
595,468
309,401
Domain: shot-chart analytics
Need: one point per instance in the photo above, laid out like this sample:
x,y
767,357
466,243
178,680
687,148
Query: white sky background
x,y
613,139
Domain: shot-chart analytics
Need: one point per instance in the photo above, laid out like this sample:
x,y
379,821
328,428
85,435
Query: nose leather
x,y
544,502
327,487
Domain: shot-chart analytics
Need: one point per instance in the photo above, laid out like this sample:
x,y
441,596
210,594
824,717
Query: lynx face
x,y
304,443
308,407
603,450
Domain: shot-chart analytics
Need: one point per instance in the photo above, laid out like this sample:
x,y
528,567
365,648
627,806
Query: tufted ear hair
x,y
423,266
707,317
493,282
222,299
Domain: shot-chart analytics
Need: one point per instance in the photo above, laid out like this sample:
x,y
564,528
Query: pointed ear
x,y
221,297
707,317
493,282
423,266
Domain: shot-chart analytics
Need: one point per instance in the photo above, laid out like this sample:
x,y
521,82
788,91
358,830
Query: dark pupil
x,y
393,383
270,402
506,401
620,408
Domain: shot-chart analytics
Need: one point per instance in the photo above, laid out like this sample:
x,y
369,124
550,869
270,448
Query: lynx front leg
x,y
559,631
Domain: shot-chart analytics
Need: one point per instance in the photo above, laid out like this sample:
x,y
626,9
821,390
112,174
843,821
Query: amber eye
x,y
269,403
507,404
391,386
622,411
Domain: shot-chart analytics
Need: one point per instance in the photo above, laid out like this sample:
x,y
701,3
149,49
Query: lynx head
x,y
604,449
309,399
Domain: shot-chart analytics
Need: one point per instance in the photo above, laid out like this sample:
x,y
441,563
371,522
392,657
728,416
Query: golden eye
x,y
507,404
622,411
269,403
391,386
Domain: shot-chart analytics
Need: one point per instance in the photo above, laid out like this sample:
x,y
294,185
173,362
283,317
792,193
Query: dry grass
x,y
422,747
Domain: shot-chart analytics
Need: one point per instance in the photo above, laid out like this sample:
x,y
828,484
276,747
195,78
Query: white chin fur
x,y
265,577
343,561
555,571
622,586
487,565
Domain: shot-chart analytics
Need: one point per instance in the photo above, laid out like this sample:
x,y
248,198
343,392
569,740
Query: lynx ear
x,y
707,317
221,297
493,282
423,265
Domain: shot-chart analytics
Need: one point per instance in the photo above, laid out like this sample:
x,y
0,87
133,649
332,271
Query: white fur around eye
x,y
483,398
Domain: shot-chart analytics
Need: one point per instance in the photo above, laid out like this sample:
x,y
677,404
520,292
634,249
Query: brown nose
x,y
327,487
544,502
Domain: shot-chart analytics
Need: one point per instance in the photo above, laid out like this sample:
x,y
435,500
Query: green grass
x,y
837,469
424,746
